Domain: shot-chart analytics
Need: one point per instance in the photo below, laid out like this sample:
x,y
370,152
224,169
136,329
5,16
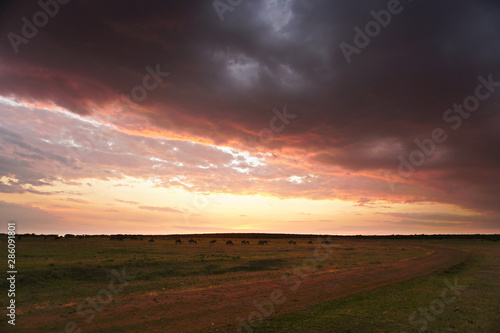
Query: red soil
x,y
217,309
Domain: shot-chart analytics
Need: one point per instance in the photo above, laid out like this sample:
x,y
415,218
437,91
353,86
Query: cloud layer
x,y
353,121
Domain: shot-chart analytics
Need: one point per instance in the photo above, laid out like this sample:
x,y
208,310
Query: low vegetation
x,y
56,276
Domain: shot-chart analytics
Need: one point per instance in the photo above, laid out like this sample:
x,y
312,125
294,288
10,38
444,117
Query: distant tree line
x,y
120,237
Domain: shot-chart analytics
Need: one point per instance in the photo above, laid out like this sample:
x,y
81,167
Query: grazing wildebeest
x,y
262,242
244,242
294,243
229,243
192,241
310,242
151,240
178,241
326,242
212,242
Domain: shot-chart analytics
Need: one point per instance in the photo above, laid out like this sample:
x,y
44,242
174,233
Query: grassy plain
x,y
351,285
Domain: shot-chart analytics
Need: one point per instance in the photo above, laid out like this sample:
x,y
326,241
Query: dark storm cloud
x,y
227,76
426,58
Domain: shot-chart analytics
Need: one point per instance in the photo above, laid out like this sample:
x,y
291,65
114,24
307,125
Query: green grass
x,y
388,309
53,276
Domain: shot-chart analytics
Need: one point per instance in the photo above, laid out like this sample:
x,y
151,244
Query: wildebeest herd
x,y
213,241
230,242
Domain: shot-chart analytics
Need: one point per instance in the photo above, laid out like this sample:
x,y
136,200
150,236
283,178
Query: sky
x,y
290,116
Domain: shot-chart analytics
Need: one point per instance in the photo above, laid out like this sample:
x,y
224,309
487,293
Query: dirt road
x,y
217,309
